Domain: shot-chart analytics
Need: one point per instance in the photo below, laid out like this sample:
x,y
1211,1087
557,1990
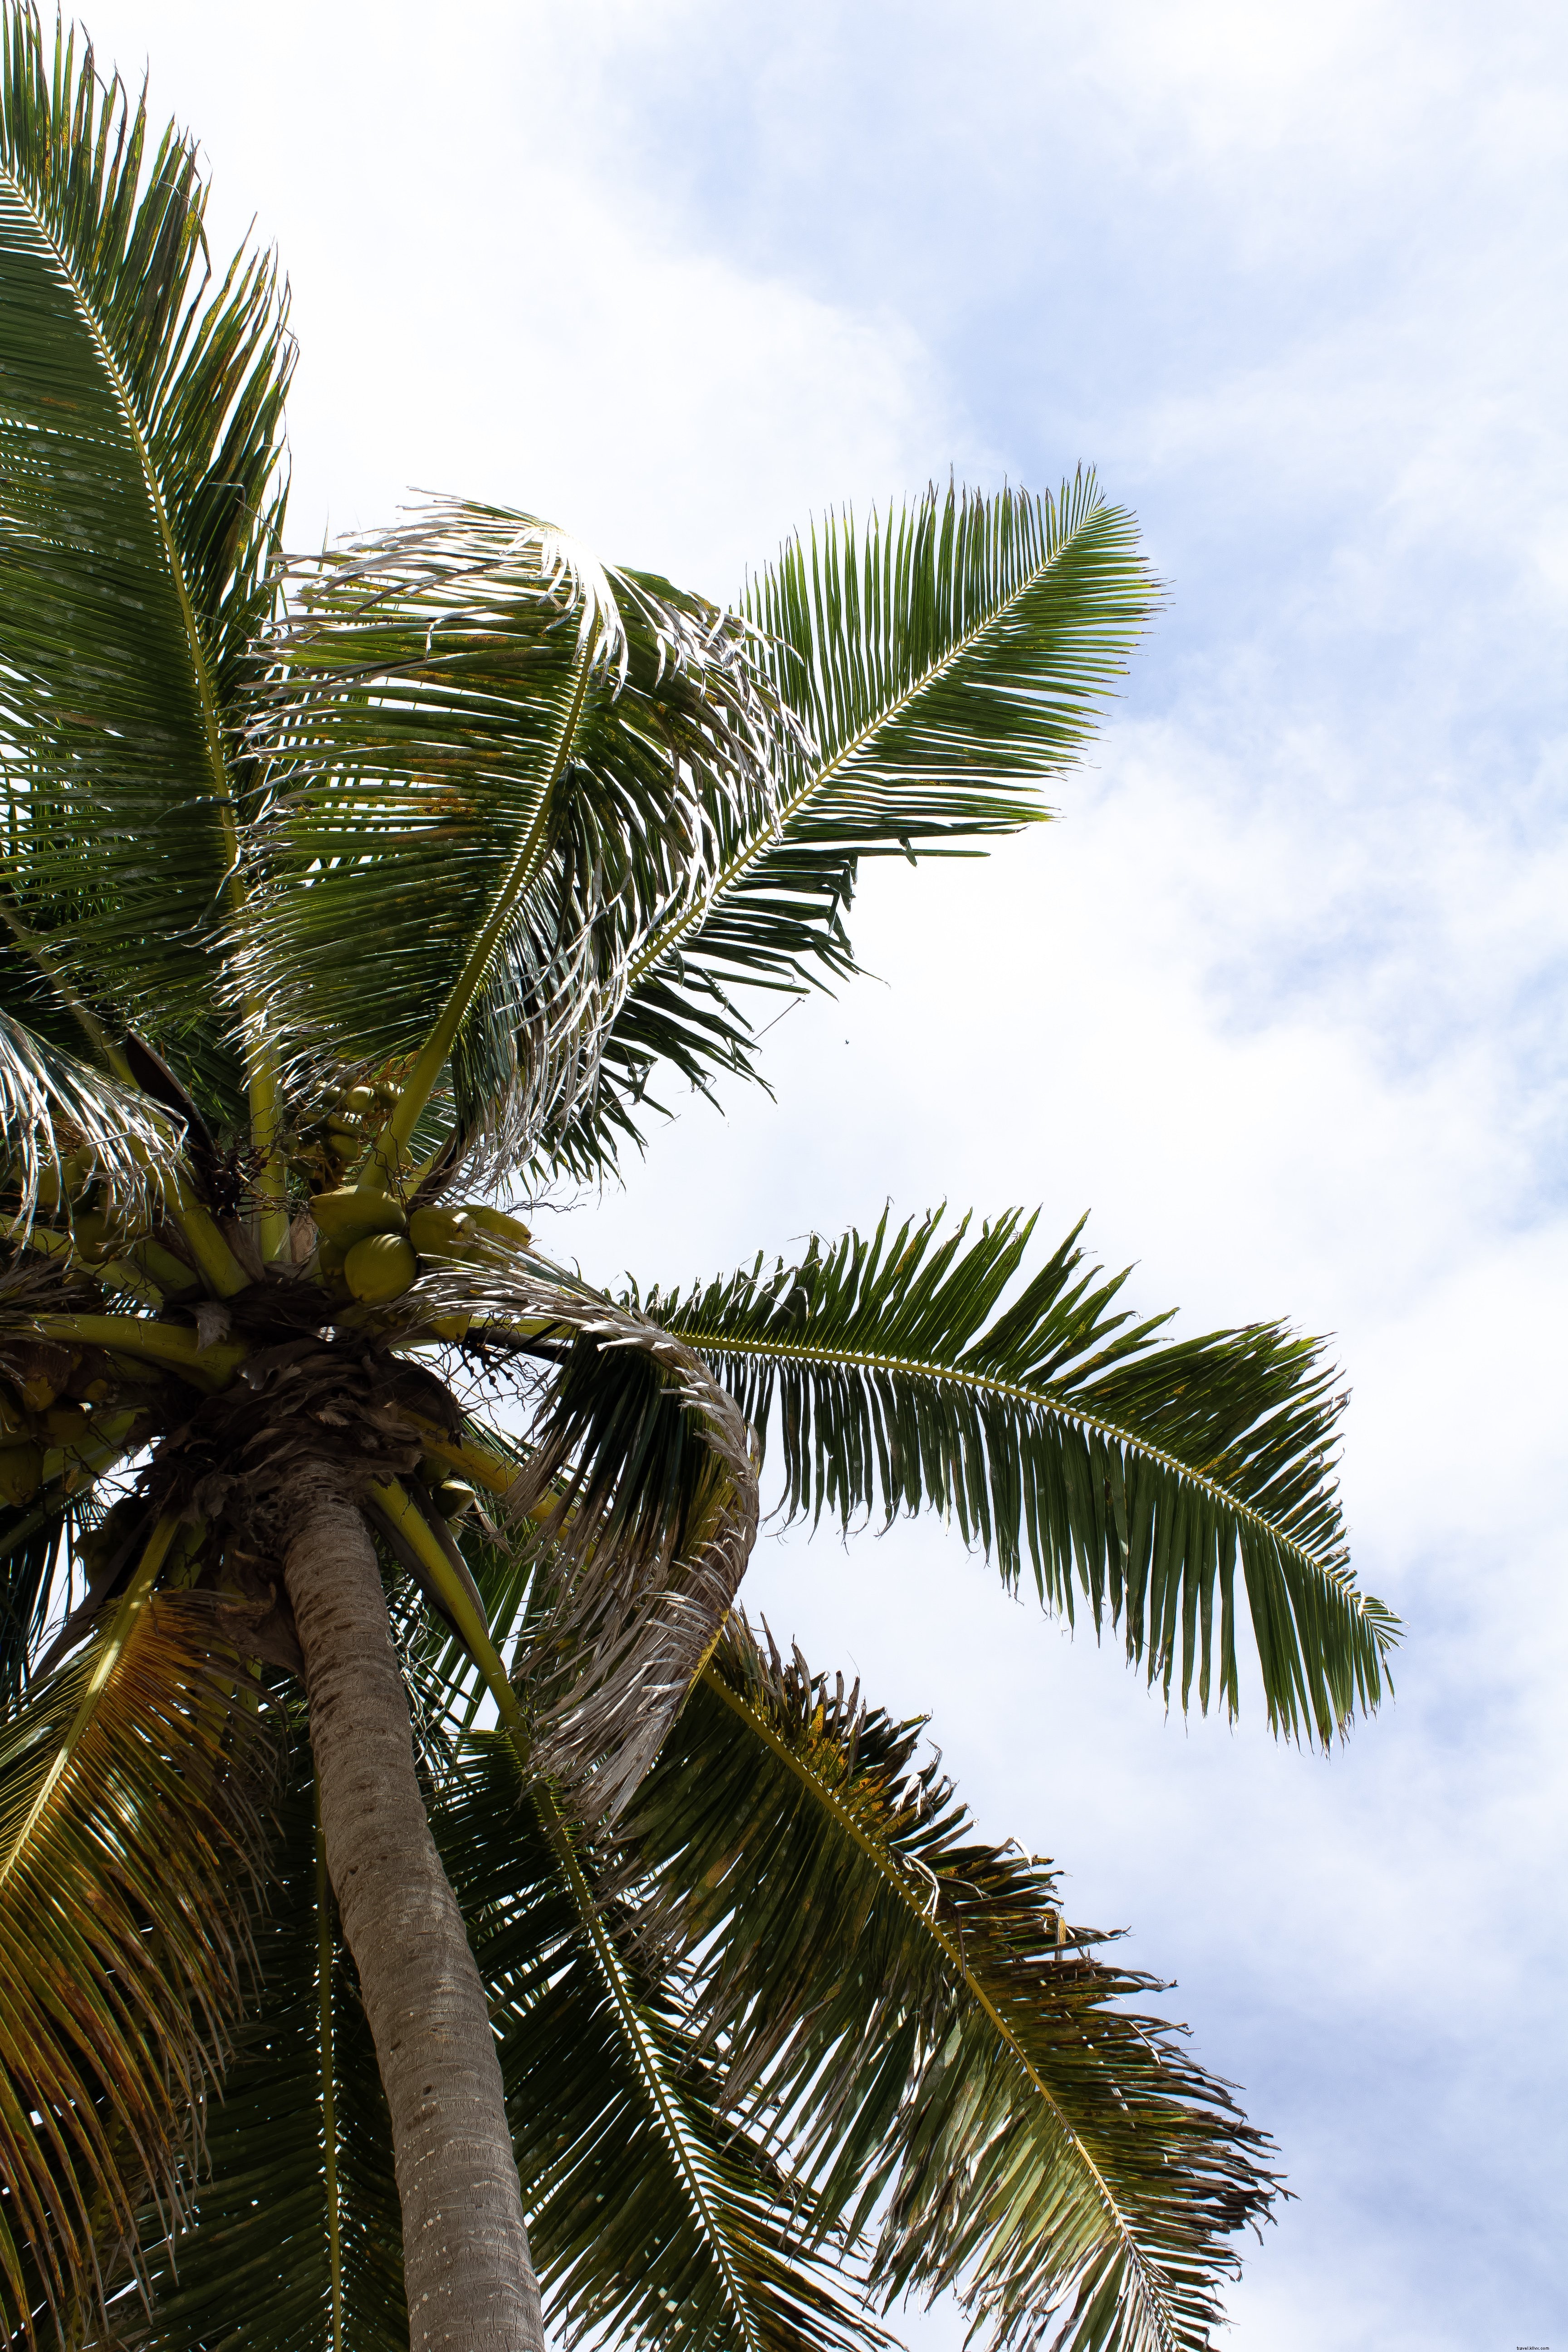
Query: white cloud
x,y
484,308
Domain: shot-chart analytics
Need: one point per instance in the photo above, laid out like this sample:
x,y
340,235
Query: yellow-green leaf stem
x,y
66,1471
87,1021
413,1527
216,1262
109,1657
171,1346
381,1171
272,1183
325,1944
493,1472
44,1239
78,1465
214,1259
116,1274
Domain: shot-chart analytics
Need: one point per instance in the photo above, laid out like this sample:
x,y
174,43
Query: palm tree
x,y
383,1745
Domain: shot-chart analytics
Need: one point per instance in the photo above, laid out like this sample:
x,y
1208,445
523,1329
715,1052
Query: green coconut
x,y
441,1232
505,1228
379,1268
347,1215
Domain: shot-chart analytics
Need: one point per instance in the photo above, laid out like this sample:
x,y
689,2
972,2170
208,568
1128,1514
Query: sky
x,y
1279,1000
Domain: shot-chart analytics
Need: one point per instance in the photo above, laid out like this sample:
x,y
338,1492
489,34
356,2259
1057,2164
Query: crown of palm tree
x,y
340,897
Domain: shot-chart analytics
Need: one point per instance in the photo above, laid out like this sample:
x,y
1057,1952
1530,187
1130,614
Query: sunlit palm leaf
x,y
127,1833
496,759
948,2063
942,664
139,440
54,1105
1138,1470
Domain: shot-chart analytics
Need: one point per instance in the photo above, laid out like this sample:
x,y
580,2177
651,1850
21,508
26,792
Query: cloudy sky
x,y
1280,1000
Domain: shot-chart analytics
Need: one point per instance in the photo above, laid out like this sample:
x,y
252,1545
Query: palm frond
x,y
56,1107
496,759
127,1829
940,666
653,2220
204,361
644,1473
252,2266
140,425
1060,1434
943,2060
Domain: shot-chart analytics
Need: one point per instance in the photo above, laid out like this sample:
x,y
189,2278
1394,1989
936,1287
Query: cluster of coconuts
x,y
35,1421
97,1237
39,1421
357,1113
374,1246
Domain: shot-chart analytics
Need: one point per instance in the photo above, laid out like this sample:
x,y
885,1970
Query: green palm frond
x,y
1058,1432
204,366
497,760
253,2265
941,664
139,424
128,1833
950,2067
654,2221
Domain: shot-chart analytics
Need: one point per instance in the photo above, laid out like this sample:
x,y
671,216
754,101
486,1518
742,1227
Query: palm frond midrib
x,y
918,1900
1070,1409
633,2029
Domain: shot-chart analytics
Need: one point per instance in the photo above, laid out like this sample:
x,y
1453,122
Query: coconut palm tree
x,y
385,1746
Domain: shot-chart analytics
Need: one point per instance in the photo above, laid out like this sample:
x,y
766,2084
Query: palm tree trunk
x,y
470,2282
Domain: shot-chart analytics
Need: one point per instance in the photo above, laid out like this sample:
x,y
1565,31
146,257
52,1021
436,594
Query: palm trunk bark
x,y
471,2281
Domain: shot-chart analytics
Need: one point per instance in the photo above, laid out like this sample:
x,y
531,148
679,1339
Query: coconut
x,y
379,1268
346,1216
441,1232
505,1228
